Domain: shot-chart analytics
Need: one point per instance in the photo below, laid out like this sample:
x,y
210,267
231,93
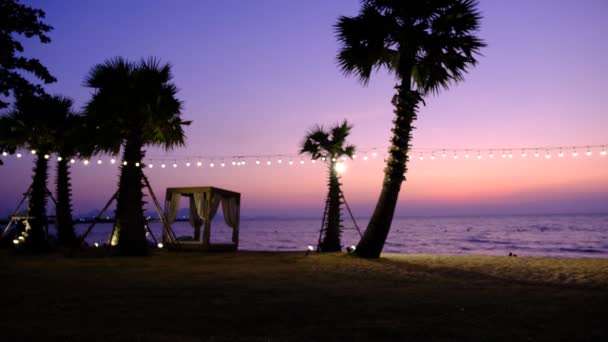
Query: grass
x,y
288,296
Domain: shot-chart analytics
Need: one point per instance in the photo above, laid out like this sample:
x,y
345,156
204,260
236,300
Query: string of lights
x,y
416,153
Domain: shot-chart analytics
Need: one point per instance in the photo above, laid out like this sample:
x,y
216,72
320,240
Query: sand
x,y
292,297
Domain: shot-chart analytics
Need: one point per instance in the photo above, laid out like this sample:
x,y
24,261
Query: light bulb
x,y
548,155
72,161
188,164
99,161
354,156
340,167
575,154
257,162
432,156
333,159
18,155
479,156
112,161
313,161
233,163
222,164
536,154
174,165
163,166
364,157
268,162
301,162
4,154
279,161
291,162
137,164
150,165
455,156
46,156
211,165
603,153
33,151
159,245
59,159
421,157
443,155
125,163
561,154
242,162
374,154
588,153
85,162
199,164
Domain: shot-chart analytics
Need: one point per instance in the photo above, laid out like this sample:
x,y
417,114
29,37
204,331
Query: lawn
x,y
289,296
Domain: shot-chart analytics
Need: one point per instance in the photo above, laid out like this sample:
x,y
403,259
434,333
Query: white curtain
x,y
230,208
173,207
215,203
196,212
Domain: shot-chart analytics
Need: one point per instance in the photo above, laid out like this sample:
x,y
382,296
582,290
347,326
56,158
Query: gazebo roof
x,y
202,189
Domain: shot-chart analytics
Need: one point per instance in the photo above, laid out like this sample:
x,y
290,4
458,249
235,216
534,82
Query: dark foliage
x,y
20,20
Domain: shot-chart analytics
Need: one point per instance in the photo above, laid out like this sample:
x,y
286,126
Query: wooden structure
x,y
204,202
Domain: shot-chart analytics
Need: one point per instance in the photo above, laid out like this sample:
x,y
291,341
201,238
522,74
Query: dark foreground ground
x,y
288,296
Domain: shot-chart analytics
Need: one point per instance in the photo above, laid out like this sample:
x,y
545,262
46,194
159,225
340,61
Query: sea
x,y
570,236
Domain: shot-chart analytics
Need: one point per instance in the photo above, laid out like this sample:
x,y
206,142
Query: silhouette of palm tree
x,y
330,146
135,105
427,45
33,123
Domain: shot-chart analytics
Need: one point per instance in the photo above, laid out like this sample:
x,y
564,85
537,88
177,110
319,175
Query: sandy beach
x,y
289,296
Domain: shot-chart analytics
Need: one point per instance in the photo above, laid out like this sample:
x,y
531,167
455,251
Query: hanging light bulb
x,y
510,155
174,165
211,165
233,163
223,164
280,161
163,165
4,154
421,156
85,162
491,154
199,164
374,154
443,154
99,162
588,152
432,156
340,167
455,155
150,165
136,164
523,153
323,158
466,154
574,153
46,156
301,161
33,151
112,161
504,155
479,156
548,155
313,161
333,159
187,164
290,162
72,161
257,162
242,162
561,153
59,158
364,157
603,153
268,162
536,154
125,163
354,156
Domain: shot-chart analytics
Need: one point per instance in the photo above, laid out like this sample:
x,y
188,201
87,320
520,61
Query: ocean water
x,y
545,235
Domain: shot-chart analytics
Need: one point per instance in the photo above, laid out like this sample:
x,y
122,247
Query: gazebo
x,y
204,202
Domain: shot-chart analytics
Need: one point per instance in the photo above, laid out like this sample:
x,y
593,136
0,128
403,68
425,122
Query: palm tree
x,y
32,123
134,105
427,45
68,142
330,146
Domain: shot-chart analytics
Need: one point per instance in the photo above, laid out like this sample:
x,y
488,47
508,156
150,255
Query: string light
x,y
561,153
150,165
548,155
268,162
574,153
199,164
112,161
313,161
455,155
301,162
443,154
85,162
33,151
491,154
421,157
4,154
280,161
364,157
223,164
374,154
18,155
136,164
536,154
125,163
188,164
354,156
72,161
523,153
588,152
257,162
211,165
432,156
99,162
603,153
163,165
46,156
504,155
59,158
233,163
174,165
466,155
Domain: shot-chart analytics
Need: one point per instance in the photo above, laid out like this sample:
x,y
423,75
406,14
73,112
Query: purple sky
x,y
254,75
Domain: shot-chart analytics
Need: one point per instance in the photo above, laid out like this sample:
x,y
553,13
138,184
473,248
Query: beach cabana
x,y
204,203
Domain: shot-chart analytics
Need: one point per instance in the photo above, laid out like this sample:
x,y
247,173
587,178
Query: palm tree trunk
x,y
63,214
130,221
36,240
406,104
331,241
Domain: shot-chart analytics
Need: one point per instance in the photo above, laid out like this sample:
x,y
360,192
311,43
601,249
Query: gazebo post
x,y
207,231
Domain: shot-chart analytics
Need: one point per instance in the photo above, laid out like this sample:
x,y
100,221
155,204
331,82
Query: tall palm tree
x,y
330,146
428,45
134,105
32,123
68,142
